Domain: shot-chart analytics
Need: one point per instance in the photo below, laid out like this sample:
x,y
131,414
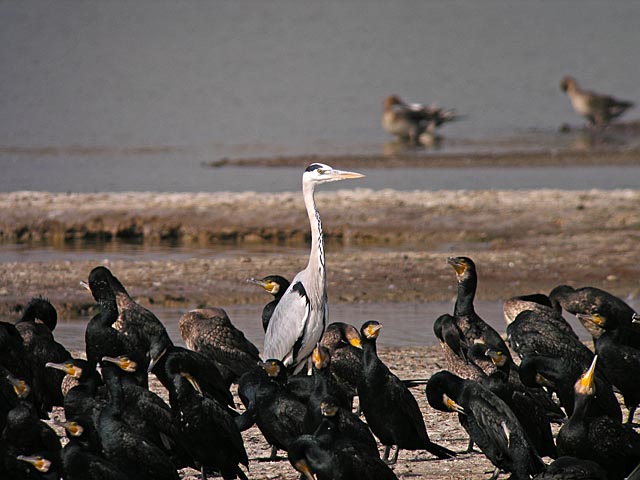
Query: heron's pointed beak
x,y
343,174
39,463
303,467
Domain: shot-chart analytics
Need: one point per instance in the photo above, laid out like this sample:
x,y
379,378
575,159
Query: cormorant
x,y
558,375
343,342
489,422
597,108
276,286
318,460
13,356
474,328
571,468
133,453
36,327
210,332
542,308
146,333
277,413
455,348
391,411
598,438
619,362
207,428
324,385
300,317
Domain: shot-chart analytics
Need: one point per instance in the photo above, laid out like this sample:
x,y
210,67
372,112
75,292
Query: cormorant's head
x,y
328,407
73,429
20,387
70,367
40,310
302,466
274,368
274,284
370,330
99,284
194,383
463,266
498,357
123,362
439,387
321,357
36,461
595,318
586,383
321,173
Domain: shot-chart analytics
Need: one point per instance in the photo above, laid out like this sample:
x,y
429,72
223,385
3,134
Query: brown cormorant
x,y
598,438
391,411
455,348
276,286
210,332
489,422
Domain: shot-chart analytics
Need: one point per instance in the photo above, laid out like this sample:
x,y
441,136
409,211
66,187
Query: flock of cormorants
x,y
116,428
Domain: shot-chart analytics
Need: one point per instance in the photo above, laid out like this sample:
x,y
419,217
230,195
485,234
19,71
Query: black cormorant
x,y
391,411
210,332
619,361
455,348
489,422
572,468
542,308
598,438
471,325
276,286
207,428
321,461
36,327
146,333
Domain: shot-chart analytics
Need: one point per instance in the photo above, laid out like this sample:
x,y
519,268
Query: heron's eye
x,y
320,171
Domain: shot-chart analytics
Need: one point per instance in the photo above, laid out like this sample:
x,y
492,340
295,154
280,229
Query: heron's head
x,y
320,173
567,82
123,362
70,368
370,330
586,383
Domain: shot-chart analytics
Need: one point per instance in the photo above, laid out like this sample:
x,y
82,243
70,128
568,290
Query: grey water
x,y
404,324
120,95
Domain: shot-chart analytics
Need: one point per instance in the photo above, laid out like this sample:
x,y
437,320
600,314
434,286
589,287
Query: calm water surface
x,y
121,95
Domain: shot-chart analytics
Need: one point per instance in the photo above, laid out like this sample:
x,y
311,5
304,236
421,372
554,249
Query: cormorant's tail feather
x,y
439,451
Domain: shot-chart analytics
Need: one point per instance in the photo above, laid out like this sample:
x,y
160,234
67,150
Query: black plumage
x,y
36,327
598,438
455,348
133,453
147,335
619,361
276,286
391,411
489,422
343,342
210,332
542,308
316,459
207,428
101,338
473,327
571,468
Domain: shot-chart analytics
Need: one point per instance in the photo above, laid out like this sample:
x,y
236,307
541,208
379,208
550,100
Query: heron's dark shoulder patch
x,y
299,289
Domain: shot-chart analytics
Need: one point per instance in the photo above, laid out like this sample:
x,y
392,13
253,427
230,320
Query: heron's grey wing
x,y
287,325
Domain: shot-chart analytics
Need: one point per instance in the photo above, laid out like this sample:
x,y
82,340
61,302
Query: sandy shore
x,y
522,242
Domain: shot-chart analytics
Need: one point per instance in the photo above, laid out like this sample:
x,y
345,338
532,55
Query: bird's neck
x,y
316,258
464,300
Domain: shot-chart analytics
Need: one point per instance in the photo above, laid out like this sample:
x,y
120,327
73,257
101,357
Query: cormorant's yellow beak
x,y
68,368
460,266
302,467
124,362
39,463
373,330
328,409
452,405
272,368
194,383
19,386
585,384
73,428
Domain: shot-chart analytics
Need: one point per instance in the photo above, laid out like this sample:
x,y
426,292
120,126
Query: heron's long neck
x,y
316,257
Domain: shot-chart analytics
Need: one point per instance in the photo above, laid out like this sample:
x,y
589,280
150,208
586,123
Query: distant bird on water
x,y
299,319
409,121
598,109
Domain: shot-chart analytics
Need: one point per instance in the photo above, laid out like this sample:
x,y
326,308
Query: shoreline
x,y
381,246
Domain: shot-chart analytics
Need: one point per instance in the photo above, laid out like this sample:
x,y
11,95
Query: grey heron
x,y
299,319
